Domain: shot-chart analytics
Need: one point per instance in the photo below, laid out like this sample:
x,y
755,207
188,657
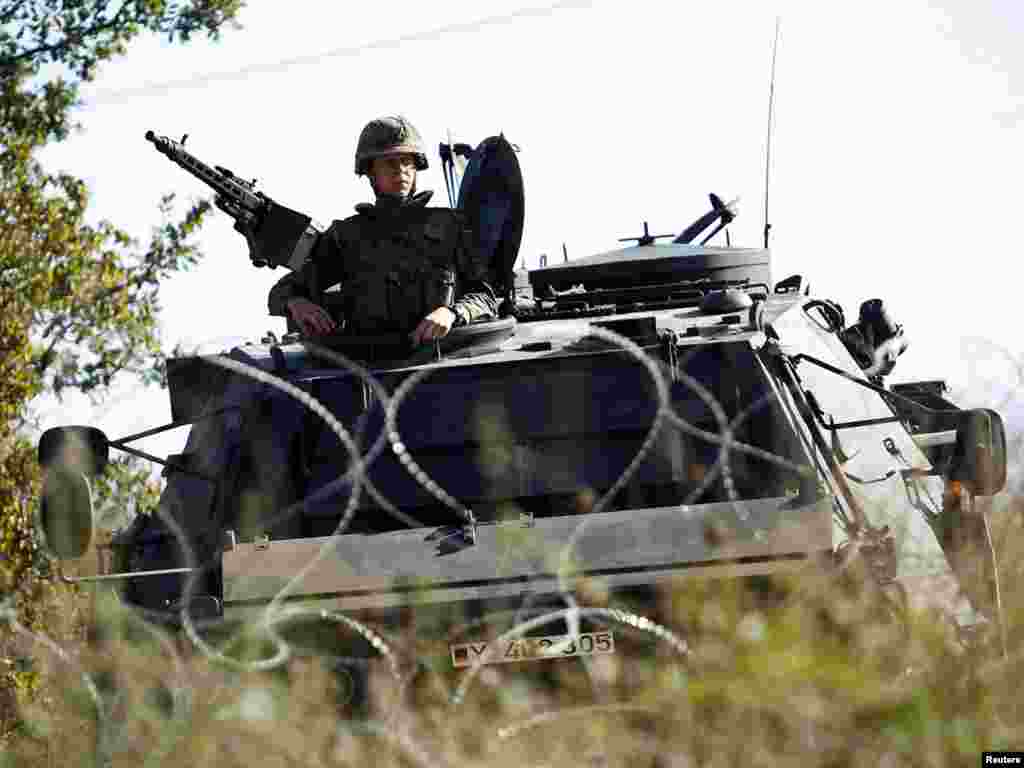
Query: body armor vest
x,y
396,266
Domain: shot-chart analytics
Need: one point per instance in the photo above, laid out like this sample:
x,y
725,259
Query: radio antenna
x,y
768,143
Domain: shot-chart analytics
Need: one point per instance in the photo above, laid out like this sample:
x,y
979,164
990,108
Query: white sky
x,y
896,156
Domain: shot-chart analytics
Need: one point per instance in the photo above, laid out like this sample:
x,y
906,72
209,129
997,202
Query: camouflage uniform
x,y
396,261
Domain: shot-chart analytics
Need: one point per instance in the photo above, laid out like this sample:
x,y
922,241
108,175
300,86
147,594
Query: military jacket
x,y
386,268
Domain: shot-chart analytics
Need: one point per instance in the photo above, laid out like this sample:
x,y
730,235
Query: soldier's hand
x,y
434,326
311,318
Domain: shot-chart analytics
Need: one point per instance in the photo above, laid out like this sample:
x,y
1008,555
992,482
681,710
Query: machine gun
x,y
271,230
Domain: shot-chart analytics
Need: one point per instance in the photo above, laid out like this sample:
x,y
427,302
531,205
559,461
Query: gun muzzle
x,y
162,143
167,146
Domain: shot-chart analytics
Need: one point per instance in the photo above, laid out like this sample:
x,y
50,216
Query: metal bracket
x,y
469,530
795,359
890,446
669,339
118,576
837,447
121,444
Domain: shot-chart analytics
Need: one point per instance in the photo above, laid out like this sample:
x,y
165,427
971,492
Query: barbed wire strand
x,y
314,405
546,718
372,453
282,652
573,612
713,472
664,405
358,469
274,616
405,458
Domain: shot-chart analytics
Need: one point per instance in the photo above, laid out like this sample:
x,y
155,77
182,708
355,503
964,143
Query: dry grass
x,y
818,673
814,669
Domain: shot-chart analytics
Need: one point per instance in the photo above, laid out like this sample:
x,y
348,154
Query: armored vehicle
x,y
656,412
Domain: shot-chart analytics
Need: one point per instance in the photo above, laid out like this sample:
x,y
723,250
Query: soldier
x,y
402,266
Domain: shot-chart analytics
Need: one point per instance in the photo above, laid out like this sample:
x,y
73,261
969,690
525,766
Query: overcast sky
x,y
896,158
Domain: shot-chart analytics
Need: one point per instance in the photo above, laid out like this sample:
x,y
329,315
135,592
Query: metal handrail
x,y
118,576
914,405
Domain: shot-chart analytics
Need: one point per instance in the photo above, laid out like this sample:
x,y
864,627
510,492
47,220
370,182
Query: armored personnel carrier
x,y
655,412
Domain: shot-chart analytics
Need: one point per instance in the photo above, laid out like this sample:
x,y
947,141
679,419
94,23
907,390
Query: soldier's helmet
x,y
386,137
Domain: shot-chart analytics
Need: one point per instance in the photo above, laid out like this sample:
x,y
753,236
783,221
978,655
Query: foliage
x,y
78,302
81,34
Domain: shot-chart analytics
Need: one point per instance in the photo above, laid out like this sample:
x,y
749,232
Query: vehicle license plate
x,y
533,648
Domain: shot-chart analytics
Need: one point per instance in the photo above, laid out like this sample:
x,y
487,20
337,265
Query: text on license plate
x,y
532,648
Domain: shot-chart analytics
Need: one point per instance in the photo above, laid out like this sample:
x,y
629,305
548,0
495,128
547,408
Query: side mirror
x,y
979,459
69,456
65,512
84,449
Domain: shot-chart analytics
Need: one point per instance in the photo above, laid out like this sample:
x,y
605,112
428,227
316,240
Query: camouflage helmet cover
x,y
386,137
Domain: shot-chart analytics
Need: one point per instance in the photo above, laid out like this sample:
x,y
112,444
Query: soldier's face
x,y
394,175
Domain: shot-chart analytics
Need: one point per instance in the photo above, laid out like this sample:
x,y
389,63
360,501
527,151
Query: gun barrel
x,y
226,185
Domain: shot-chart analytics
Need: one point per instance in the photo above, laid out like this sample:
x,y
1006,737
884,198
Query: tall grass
x,y
811,669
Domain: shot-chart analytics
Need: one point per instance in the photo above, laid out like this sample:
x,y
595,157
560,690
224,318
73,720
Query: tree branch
x,y
72,37
9,13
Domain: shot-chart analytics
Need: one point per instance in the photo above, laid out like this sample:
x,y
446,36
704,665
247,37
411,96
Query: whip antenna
x,y
768,143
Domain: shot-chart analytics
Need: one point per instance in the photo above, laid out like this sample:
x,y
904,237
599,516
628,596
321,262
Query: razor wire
x,y
375,640
664,408
718,438
276,617
338,483
593,756
545,718
339,429
358,470
269,618
758,453
572,623
272,616
725,436
403,455
664,404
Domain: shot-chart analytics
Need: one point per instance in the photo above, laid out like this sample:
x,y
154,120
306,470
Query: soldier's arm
x,y
475,305
289,287
319,256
